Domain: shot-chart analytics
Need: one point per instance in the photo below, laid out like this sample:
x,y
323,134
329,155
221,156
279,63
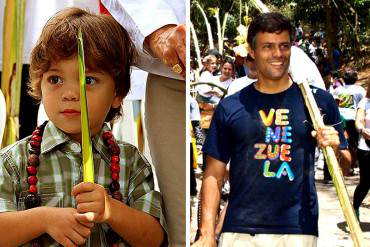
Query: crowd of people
x,y
231,77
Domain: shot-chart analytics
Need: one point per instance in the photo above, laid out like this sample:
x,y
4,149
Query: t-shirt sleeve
x,y
142,195
217,143
332,118
362,103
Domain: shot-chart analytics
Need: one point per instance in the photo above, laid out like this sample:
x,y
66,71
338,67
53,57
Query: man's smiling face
x,y
272,55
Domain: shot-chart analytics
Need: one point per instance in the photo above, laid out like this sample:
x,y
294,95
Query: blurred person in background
x,y
363,153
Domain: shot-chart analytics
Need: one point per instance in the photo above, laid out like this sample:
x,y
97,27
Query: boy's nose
x,y
71,93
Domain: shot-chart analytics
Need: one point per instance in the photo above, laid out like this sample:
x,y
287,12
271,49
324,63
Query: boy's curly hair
x,y
107,47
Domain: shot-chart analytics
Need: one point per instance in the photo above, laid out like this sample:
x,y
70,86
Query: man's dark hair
x,y
273,22
350,76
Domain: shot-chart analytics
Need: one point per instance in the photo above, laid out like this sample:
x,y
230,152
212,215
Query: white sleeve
x,y
362,103
140,18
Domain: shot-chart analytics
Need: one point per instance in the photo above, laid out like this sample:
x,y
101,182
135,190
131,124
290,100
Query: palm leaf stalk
x,y
226,16
87,157
259,5
197,50
241,11
219,30
334,169
208,26
12,67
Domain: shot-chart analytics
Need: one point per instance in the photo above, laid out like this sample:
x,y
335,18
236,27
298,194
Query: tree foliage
x,y
348,18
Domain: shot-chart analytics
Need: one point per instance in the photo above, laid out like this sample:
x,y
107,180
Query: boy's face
x,y
60,89
272,55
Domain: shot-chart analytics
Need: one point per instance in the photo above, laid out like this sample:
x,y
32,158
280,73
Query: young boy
x,y
42,195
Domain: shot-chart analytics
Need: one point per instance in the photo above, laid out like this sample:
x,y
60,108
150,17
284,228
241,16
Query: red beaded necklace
x,y
33,199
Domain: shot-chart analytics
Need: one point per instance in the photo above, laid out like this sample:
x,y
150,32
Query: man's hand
x,y
62,226
92,198
168,44
205,241
326,136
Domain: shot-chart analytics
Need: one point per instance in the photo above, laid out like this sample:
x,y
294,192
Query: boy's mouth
x,y
70,112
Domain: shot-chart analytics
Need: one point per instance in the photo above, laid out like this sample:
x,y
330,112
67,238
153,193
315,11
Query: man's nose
x,y
277,52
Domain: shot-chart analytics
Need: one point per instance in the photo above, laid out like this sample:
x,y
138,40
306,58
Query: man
x,y
264,132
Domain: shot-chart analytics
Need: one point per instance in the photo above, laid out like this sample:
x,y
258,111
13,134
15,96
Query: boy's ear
x,y
117,101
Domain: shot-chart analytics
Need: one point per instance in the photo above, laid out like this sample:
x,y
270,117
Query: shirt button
x,y
76,147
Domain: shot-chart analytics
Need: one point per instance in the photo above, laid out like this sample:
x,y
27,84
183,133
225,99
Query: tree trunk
x,y
330,29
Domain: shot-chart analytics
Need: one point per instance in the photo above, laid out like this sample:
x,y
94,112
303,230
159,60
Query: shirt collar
x,y
53,137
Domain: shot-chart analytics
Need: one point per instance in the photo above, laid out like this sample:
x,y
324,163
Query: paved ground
x,y
333,230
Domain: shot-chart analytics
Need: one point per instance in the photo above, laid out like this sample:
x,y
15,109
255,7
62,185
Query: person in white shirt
x,y
212,94
363,153
349,97
240,83
158,31
227,73
209,67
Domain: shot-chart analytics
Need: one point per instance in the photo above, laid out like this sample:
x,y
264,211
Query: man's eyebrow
x,y
272,43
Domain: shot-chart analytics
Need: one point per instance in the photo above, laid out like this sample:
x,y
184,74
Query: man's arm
x,y
211,191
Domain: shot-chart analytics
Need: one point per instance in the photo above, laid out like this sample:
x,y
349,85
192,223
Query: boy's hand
x,y
326,136
92,198
62,226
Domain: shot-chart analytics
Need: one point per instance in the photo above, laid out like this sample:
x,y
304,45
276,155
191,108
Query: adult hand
x,y
204,241
207,106
91,198
61,225
326,136
168,44
366,133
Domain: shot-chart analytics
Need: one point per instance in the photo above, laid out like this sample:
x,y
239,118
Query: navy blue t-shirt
x,y
267,139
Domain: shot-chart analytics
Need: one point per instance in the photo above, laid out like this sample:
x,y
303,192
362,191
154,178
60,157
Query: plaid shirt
x,y
61,168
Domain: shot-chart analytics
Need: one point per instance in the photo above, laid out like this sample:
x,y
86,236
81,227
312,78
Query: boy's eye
x,y
90,80
55,79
